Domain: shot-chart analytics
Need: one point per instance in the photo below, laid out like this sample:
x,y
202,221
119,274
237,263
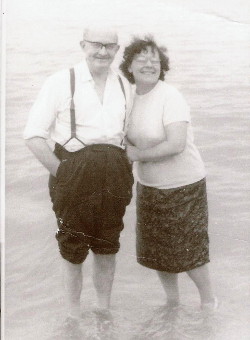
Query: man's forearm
x,y
39,147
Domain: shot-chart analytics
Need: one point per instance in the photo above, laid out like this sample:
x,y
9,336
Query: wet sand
x,y
209,54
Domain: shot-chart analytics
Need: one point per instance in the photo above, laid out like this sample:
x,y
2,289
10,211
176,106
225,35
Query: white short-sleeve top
x,y
163,105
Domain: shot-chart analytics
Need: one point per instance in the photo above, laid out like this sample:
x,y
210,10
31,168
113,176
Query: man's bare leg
x,y
103,276
72,274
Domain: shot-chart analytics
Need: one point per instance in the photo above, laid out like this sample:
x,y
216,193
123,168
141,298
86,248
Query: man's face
x,y
100,49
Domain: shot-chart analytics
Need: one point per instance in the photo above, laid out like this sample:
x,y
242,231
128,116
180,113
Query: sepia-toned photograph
x,y
125,181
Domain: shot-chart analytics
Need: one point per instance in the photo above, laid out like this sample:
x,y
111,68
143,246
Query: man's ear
x,y
82,44
117,48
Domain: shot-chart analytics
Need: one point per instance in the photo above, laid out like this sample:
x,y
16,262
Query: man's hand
x,y
43,153
54,169
133,153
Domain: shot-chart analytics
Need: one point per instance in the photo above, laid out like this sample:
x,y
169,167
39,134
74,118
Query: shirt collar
x,y
85,74
83,70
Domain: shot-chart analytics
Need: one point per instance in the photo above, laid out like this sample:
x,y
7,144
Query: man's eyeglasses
x,y
98,45
143,61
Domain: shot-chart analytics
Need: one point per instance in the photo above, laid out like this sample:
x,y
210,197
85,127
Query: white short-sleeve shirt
x,y
96,122
164,105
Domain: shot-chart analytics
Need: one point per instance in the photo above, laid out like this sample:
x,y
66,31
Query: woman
x,y
172,217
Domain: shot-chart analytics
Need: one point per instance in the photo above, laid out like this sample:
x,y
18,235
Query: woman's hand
x,y
132,153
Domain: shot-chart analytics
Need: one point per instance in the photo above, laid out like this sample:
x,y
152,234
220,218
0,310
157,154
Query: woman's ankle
x,y
173,302
210,305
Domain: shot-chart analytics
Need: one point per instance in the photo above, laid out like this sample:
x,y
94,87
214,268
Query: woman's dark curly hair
x,y
137,46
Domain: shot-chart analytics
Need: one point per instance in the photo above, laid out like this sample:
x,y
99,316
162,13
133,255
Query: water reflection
x,y
156,323
163,323
178,323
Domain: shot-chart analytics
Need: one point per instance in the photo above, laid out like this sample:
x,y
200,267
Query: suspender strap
x,y
123,90
72,104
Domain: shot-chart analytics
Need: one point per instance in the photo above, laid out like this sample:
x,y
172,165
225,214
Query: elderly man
x,y
84,111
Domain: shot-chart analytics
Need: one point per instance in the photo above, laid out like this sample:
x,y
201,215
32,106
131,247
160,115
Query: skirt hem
x,y
168,270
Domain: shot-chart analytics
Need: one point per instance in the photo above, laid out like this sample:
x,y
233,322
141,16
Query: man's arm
x,y
41,117
39,147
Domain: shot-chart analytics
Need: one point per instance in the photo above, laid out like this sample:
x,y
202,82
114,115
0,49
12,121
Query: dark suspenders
x,y
123,90
72,106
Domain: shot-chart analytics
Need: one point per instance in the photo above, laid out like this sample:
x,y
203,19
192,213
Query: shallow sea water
x,y
209,51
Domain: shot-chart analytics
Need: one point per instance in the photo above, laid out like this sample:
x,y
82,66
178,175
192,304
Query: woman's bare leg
x,y
201,278
169,282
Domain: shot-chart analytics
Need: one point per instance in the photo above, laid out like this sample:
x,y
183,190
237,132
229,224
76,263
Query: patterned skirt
x,y
172,227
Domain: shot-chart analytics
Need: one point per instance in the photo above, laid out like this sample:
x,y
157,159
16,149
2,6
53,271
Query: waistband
x,y
93,147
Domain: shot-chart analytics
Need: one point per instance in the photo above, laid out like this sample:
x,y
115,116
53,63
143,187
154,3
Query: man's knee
x,y
72,268
105,262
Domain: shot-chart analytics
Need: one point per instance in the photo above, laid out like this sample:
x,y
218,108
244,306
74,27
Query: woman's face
x,y
146,67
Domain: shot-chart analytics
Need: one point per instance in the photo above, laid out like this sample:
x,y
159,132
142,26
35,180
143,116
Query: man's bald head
x,y
100,30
